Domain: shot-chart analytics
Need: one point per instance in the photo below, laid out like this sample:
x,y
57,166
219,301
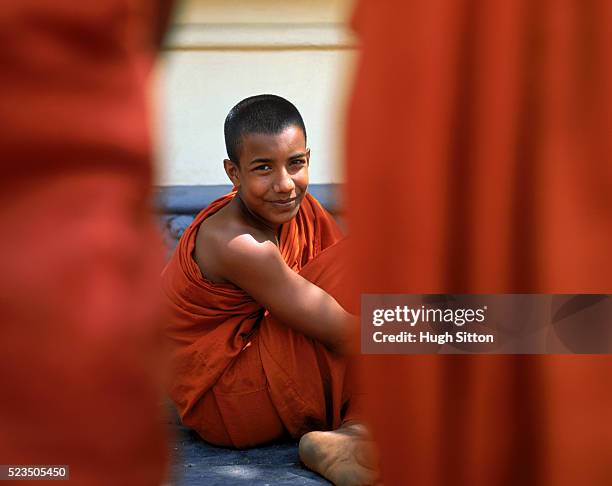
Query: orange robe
x,y
490,125
79,299
240,377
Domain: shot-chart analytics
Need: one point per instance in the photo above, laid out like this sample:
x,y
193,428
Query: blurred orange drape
x,y
480,161
79,254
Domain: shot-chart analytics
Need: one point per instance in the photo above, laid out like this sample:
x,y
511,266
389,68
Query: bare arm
x,y
258,268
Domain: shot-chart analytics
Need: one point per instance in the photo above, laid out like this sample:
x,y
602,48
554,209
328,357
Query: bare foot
x,y
345,456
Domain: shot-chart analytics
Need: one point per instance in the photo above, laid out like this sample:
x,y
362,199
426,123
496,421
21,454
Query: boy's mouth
x,y
284,203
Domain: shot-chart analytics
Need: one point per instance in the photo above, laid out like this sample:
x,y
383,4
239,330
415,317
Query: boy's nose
x,y
284,183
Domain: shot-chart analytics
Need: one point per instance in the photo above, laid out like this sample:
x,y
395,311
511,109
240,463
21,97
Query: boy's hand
x,y
348,343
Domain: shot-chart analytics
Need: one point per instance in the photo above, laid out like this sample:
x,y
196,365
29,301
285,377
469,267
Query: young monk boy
x,y
258,338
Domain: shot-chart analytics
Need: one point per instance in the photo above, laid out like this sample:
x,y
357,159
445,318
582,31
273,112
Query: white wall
x,y
223,51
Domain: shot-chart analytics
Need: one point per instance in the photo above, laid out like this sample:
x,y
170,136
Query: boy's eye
x,y
298,162
263,167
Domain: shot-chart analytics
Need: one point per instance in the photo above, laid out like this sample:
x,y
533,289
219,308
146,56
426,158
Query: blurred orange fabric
x,y
241,378
480,161
79,340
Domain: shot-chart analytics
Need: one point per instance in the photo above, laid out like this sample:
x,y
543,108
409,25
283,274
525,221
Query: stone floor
x,y
199,463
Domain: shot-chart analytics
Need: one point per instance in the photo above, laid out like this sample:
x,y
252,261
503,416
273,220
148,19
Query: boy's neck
x,y
257,222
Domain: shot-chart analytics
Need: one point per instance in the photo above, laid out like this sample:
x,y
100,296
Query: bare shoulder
x,y
224,245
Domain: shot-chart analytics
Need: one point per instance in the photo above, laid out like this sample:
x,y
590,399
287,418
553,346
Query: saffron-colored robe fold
x,y
240,377
80,255
502,113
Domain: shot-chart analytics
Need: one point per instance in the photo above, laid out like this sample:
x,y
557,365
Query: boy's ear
x,y
307,156
232,172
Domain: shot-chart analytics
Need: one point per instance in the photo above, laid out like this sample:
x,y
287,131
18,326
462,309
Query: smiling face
x,y
272,176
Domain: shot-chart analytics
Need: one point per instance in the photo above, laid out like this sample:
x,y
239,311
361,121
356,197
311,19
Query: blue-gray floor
x,y
199,463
